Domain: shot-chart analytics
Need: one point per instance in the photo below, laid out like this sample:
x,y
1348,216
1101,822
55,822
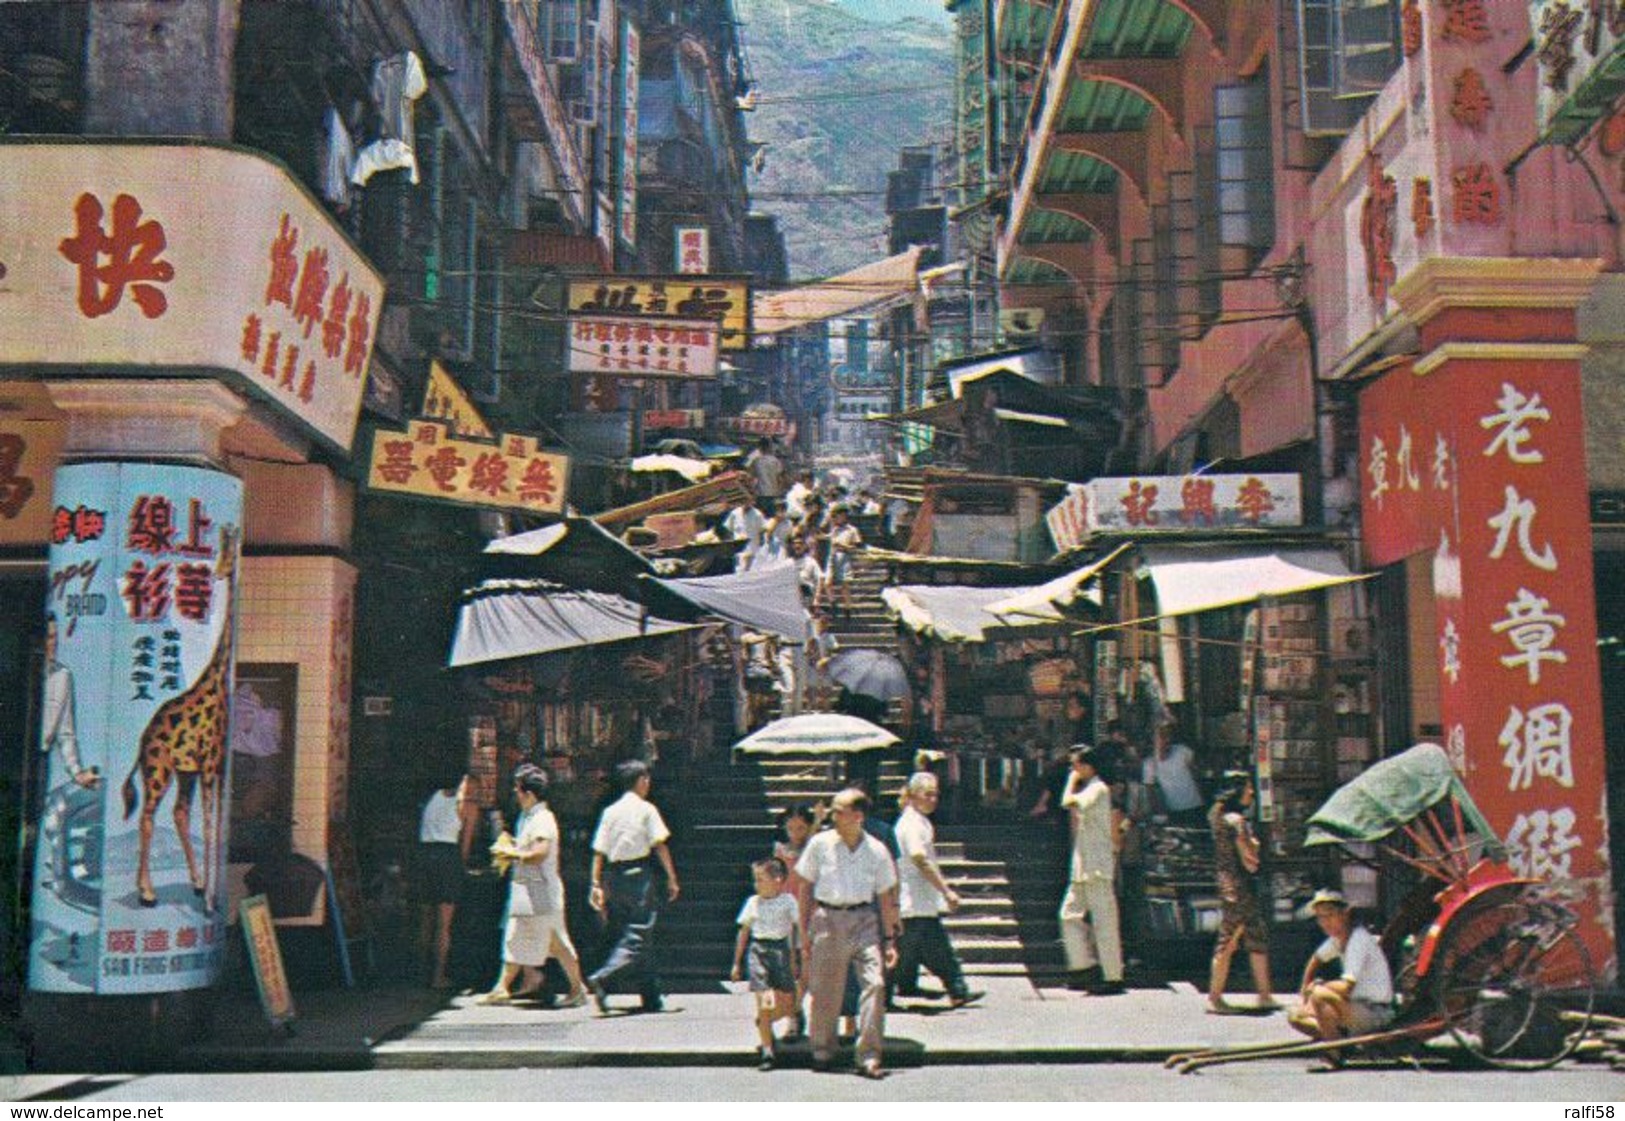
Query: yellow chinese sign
x,y
444,399
265,956
428,461
723,299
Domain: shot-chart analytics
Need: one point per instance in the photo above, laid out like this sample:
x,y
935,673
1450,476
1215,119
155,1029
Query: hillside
x,y
838,96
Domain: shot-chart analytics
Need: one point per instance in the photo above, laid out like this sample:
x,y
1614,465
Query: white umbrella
x,y
816,733
874,673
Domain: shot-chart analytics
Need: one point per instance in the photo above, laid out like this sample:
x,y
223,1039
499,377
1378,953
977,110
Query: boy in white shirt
x,y
770,930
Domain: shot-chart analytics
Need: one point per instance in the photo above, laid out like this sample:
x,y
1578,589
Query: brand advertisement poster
x,y
129,893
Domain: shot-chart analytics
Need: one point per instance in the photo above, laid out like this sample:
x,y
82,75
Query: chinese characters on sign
x,y
444,399
693,250
133,267
1512,563
129,892
1575,41
512,473
1068,519
1193,502
633,347
1377,232
721,300
626,202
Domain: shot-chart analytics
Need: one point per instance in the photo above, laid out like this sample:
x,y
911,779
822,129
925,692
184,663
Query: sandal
x,y
1223,1009
574,1000
495,996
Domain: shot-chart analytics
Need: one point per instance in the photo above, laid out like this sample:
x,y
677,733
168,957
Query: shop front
x,y
182,326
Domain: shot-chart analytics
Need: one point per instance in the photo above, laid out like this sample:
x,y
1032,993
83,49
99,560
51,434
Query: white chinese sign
x,y
115,261
1172,503
628,346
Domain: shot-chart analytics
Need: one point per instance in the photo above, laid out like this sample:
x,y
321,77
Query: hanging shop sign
x,y
758,425
117,260
1473,465
129,873
686,419
635,347
725,300
265,959
1172,503
1068,519
693,250
626,202
1579,65
444,399
509,473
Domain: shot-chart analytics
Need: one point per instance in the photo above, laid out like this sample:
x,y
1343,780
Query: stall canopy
x,y
766,598
958,613
522,618
1045,601
1201,578
875,283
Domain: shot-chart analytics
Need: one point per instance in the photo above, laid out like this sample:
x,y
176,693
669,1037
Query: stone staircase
x,y
1008,873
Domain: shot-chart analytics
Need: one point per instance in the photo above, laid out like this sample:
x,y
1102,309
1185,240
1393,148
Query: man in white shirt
x,y
766,470
1361,999
630,832
850,877
923,896
1169,774
1089,930
795,499
745,523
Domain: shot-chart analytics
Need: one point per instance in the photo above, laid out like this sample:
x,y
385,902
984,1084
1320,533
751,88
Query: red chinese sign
x,y
512,473
1474,464
1377,232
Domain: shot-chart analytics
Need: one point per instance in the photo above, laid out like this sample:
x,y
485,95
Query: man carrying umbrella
x,y
851,878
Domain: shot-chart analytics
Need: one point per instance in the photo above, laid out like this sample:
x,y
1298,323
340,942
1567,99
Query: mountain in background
x,y
838,95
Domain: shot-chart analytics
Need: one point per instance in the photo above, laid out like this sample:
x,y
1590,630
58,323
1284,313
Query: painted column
x,y
145,539
1476,453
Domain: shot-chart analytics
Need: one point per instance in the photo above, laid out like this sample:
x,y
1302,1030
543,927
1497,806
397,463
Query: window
x,y
1244,164
1348,49
561,24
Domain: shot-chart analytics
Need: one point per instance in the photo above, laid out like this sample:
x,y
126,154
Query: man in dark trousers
x,y
923,896
631,836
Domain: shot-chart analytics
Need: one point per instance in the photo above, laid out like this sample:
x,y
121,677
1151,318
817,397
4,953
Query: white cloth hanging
x,y
338,159
397,83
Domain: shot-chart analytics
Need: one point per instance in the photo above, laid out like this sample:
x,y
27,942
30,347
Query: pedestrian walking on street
x,y
445,840
846,885
923,896
630,838
535,928
769,946
1089,930
1235,862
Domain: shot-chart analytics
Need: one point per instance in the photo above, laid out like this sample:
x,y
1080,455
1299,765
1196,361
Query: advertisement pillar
x,y
128,891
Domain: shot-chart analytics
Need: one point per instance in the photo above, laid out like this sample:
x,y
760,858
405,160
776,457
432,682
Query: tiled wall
x,y
297,609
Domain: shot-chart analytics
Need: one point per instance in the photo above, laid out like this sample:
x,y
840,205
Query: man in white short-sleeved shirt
x,y
1361,999
630,832
923,895
846,885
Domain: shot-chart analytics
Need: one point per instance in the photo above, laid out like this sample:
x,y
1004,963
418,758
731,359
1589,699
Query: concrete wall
x,y
160,68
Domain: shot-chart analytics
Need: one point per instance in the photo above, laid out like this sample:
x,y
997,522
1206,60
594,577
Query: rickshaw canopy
x,y
1391,794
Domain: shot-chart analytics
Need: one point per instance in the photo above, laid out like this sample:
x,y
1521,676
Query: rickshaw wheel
x,y
1505,978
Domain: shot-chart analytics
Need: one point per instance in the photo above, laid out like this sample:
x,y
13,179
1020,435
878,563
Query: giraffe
x,y
185,741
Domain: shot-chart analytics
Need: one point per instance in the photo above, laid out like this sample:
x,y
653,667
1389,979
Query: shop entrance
x,y
1610,575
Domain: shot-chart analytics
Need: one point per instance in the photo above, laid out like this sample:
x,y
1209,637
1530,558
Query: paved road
x,y
1278,1081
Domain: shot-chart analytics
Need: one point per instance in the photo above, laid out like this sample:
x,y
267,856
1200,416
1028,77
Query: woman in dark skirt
x,y
445,838
1235,861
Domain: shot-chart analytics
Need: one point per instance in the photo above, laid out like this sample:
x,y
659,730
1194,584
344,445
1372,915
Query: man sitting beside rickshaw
x,y
1361,999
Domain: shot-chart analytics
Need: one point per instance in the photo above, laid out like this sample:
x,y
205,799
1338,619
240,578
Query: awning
x,y
875,283
766,598
1201,578
522,618
691,469
1029,418
1044,602
960,613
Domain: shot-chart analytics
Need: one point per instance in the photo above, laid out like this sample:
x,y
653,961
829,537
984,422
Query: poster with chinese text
x,y
129,872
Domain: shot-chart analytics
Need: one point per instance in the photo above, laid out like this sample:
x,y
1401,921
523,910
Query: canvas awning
x,y
766,598
1204,577
863,287
522,618
960,613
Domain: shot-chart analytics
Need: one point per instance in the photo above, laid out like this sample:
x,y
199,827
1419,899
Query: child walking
x,y
769,926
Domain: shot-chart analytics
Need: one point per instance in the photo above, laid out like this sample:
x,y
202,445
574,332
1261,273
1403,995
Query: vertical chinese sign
x,y
626,201
128,883
693,250
1478,466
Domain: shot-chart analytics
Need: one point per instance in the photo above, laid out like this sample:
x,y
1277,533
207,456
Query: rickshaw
x,y
1477,951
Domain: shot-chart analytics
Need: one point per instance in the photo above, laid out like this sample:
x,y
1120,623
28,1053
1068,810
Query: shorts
x,y
1367,1016
440,873
767,965
1241,913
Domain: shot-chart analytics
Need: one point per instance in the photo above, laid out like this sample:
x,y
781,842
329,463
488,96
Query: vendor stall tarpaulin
x,y
522,618
764,598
